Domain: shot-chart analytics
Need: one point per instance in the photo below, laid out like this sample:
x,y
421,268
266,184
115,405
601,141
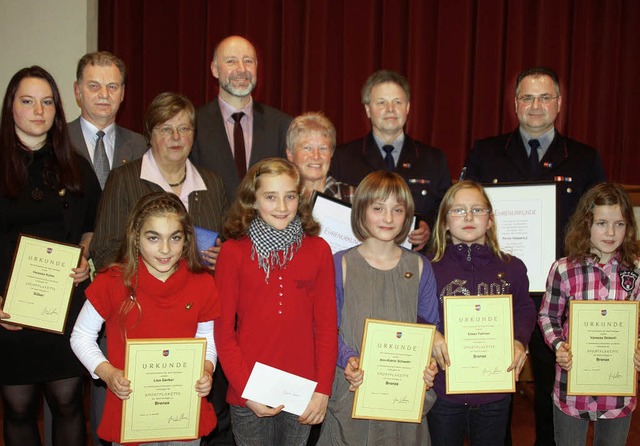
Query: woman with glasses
x,y
467,261
169,128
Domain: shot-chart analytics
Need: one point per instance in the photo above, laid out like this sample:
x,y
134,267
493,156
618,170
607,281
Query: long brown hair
x,y
242,211
441,237
62,168
578,238
156,204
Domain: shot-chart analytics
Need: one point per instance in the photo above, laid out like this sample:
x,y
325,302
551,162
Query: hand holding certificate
x,y
479,335
163,404
393,357
603,336
40,287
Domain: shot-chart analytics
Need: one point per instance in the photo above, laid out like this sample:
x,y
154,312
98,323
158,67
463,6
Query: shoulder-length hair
x,y
156,204
64,172
441,237
242,211
578,237
378,186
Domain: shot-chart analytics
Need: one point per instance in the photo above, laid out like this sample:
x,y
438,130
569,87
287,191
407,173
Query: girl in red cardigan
x,y
158,288
276,283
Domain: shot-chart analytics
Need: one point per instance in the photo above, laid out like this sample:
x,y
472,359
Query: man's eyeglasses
x,y
543,98
475,212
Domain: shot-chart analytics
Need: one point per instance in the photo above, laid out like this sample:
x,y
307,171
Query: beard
x,y
228,86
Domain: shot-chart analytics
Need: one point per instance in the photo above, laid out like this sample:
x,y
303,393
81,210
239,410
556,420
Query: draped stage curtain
x,y
461,58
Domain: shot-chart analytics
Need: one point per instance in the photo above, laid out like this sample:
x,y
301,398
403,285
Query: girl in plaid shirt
x,y
601,264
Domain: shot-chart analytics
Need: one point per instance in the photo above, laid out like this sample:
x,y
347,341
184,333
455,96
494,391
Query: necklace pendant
x,y
37,194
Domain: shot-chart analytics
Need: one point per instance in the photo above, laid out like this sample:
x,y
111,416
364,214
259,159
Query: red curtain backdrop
x,y
461,58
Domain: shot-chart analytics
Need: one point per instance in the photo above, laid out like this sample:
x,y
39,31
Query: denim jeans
x,y
283,429
570,431
484,424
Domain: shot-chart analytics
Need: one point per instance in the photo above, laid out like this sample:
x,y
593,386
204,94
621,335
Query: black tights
x,y
21,405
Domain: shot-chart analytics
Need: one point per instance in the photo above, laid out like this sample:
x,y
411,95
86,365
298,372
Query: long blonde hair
x,y
442,237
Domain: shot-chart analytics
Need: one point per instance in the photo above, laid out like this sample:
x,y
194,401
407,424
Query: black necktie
x,y
100,160
534,161
388,157
238,145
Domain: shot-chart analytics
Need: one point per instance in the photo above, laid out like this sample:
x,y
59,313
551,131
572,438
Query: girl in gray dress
x,y
378,279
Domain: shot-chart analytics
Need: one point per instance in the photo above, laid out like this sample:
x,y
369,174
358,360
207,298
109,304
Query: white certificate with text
x,y
526,216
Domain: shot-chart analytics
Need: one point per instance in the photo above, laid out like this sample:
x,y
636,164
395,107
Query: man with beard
x,y
234,131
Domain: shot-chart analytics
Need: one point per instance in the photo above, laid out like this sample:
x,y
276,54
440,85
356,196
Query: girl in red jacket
x,y
276,282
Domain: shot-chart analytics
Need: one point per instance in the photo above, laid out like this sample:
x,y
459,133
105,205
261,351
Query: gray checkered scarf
x,y
274,247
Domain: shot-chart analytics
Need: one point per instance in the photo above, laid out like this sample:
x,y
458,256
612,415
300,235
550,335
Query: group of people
x,y
269,290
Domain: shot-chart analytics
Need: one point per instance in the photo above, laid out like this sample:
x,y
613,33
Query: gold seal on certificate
x,y
39,289
393,358
603,336
479,335
164,404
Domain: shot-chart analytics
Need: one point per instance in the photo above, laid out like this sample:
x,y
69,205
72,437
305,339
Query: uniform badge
x,y
628,280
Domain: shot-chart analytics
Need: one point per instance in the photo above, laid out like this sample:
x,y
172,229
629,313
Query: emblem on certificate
x,y
39,289
479,335
164,404
603,336
393,357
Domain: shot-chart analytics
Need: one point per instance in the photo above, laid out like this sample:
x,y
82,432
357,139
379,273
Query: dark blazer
x,y
129,145
121,193
503,159
212,149
424,169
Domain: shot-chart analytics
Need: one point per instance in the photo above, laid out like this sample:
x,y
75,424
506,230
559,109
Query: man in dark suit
x,y
536,152
99,89
386,96
224,145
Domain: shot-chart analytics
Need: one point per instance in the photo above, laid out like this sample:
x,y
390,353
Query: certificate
x,y
393,358
273,387
526,218
164,404
334,217
603,336
479,335
39,289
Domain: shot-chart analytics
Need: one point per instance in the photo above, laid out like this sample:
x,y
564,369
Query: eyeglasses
x,y
475,212
167,130
543,98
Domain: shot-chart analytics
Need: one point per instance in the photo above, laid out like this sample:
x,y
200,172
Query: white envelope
x,y
273,387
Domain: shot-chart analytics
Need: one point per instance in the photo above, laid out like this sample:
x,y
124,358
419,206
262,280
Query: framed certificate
x,y
603,335
164,404
39,289
334,217
479,335
393,358
527,217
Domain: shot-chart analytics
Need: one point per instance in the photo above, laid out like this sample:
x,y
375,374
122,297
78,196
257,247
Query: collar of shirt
x,y
397,147
89,133
151,172
246,121
544,140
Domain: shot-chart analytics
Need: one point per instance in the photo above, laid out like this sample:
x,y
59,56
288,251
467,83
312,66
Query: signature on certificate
x,y
490,372
181,417
49,311
403,400
614,375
